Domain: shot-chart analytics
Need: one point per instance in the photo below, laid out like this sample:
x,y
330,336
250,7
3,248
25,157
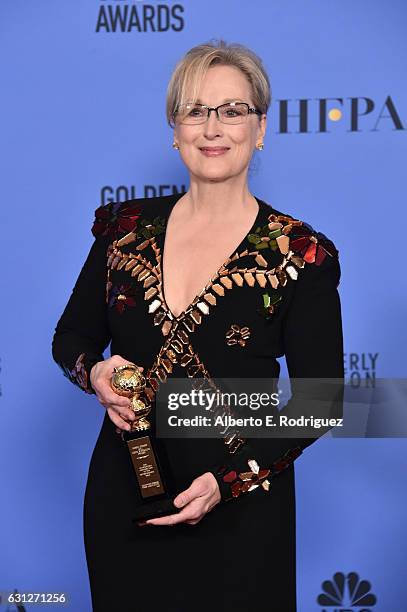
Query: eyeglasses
x,y
232,112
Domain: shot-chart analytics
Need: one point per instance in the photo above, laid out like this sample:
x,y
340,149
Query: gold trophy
x,y
149,460
128,381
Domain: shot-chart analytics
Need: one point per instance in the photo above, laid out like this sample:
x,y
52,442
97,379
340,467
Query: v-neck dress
x,y
276,295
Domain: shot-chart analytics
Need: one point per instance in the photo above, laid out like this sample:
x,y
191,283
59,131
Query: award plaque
x,y
147,455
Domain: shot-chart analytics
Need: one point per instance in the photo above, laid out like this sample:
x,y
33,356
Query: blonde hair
x,y
191,69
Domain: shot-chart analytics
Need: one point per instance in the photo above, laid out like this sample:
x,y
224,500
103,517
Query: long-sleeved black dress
x,y
276,295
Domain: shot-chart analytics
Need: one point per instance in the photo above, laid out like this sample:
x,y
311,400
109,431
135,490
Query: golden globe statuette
x,y
147,455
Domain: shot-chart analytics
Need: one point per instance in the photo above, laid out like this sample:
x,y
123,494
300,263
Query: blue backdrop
x,y
83,122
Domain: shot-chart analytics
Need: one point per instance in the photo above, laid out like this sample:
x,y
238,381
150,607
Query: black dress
x,y
281,284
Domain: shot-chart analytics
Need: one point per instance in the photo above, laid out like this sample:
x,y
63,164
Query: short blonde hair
x,y
191,69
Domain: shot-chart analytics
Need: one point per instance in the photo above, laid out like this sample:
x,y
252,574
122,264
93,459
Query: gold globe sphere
x,y
127,380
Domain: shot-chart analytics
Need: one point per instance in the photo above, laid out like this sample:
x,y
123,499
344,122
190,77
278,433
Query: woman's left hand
x,y
196,501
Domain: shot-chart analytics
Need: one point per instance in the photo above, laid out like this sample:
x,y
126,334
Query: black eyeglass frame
x,y
250,110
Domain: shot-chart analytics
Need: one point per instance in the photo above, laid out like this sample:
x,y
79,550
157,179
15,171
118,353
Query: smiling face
x,y
213,150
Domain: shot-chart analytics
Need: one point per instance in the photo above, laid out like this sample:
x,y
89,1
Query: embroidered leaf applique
x,y
270,236
152,228
270,303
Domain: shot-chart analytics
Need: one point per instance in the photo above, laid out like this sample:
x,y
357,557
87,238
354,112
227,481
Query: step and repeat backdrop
x,y
83,124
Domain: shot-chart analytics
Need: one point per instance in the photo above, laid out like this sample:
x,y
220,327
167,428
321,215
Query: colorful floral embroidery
x,y
116,218
284,233
78,375
237,335
122,296
313,246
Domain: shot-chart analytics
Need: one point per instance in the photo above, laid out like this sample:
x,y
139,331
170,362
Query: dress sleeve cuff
x,y
233,482
79,375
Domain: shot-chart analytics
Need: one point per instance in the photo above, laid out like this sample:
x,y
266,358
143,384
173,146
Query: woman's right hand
x,y
117,406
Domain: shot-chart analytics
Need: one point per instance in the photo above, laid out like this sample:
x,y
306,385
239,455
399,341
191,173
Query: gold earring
x,y
260,146
175,145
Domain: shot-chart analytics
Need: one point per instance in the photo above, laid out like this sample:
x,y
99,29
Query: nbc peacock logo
x,y
346,593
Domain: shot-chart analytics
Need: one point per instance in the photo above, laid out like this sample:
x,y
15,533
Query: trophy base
x,y
155,509
153,476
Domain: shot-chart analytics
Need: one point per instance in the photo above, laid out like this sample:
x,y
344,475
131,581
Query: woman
x,y
215,283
